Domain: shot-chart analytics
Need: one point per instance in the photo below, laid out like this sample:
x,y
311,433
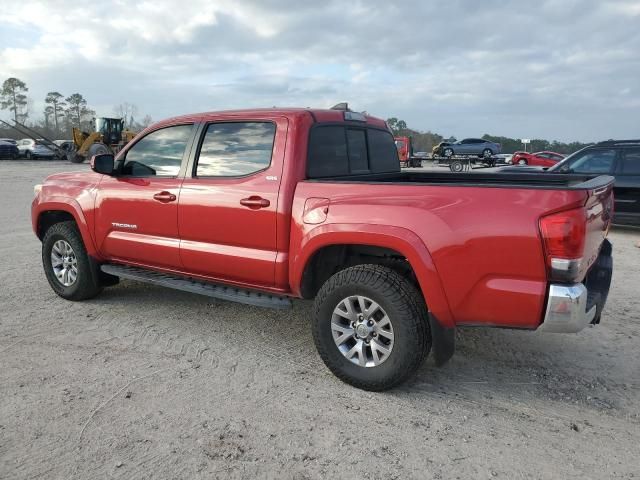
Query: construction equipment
x,y
109,136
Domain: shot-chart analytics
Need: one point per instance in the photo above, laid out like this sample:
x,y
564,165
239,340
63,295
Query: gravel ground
x,y
144,382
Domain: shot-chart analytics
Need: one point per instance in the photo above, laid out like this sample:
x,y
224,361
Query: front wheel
x,y
448,152
28,155
66,263
487,153
370,327
522,161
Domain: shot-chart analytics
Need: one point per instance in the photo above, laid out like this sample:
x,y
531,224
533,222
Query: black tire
x,y
86,284
74,157
28,155
456,166
448,152
403,305
487,153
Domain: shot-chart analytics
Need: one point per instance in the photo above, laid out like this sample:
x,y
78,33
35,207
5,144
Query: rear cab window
x,y
338,150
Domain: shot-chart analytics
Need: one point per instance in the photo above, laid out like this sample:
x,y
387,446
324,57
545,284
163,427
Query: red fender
x,y
399,239
71,206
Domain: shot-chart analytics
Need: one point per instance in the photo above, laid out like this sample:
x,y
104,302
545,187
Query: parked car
x,y
537,159
469,146
8,149
67,146
504,158
9,140
30,148
618,158
261,206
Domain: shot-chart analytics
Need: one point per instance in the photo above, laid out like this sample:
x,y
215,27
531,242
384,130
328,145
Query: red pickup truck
x,y
261,206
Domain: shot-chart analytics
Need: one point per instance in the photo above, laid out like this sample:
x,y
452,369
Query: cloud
x,y
564,69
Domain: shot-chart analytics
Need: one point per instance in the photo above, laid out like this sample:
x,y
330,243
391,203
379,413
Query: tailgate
x,y
599,212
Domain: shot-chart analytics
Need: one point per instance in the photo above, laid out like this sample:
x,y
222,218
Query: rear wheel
x,y
66,263
456,166
370,327
28,155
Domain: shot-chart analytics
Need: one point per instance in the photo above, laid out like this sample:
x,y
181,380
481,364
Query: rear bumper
x,y
570,308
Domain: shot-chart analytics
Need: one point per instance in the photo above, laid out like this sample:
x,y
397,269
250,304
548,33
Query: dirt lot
x,y
144,382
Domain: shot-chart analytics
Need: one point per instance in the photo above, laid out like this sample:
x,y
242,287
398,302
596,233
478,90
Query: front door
x,y
137,209
228,202
626,190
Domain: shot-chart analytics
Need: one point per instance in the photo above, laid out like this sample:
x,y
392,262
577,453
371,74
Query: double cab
x,y
269,205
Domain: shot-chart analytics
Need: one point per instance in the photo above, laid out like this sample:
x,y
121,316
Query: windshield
x,y
587,161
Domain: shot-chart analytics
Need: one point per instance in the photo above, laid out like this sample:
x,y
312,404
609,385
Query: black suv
x,y
618,158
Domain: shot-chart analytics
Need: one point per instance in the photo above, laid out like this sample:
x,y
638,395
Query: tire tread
x,y
405,298
86,287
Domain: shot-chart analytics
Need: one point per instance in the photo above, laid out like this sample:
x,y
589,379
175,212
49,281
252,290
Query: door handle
x,y
255,202
165,197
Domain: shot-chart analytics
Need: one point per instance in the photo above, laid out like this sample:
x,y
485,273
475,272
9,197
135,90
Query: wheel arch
x,y
56,210
338,246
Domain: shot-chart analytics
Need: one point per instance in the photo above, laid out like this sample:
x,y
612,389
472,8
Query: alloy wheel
x,y
64,263
362,331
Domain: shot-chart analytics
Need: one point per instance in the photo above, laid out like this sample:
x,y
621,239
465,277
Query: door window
x,y
631,162
159,153
593,161
235,149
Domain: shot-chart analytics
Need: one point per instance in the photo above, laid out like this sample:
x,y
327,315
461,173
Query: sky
x,y
555,69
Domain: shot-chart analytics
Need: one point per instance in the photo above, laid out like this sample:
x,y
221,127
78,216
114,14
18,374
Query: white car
x,y
30,148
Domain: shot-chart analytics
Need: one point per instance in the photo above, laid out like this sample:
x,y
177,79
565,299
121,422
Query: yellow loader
x,y
109,137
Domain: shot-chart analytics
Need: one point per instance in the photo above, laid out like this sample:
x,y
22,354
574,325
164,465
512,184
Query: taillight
x,y
564,235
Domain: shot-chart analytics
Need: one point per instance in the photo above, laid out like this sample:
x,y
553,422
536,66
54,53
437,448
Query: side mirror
x,y
103,163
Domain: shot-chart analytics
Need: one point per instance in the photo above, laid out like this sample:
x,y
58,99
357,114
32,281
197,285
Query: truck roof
x,y
318,115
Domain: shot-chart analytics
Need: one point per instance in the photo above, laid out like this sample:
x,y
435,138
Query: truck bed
x,y
544,181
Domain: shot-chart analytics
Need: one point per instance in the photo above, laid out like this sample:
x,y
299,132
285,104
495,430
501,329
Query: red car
x,y
262,206
538,159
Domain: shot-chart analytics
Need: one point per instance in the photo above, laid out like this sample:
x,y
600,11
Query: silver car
x,y
472,146
29,149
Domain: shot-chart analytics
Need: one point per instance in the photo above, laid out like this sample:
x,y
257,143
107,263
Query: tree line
x,y
424,141
60,114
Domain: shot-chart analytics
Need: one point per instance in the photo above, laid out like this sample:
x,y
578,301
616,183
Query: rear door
x,y
228,202
627,187
137,210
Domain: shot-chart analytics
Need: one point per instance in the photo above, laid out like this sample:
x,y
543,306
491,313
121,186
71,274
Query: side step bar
x,y
185,284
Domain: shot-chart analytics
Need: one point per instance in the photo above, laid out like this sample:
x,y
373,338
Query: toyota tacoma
x,y
264,206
